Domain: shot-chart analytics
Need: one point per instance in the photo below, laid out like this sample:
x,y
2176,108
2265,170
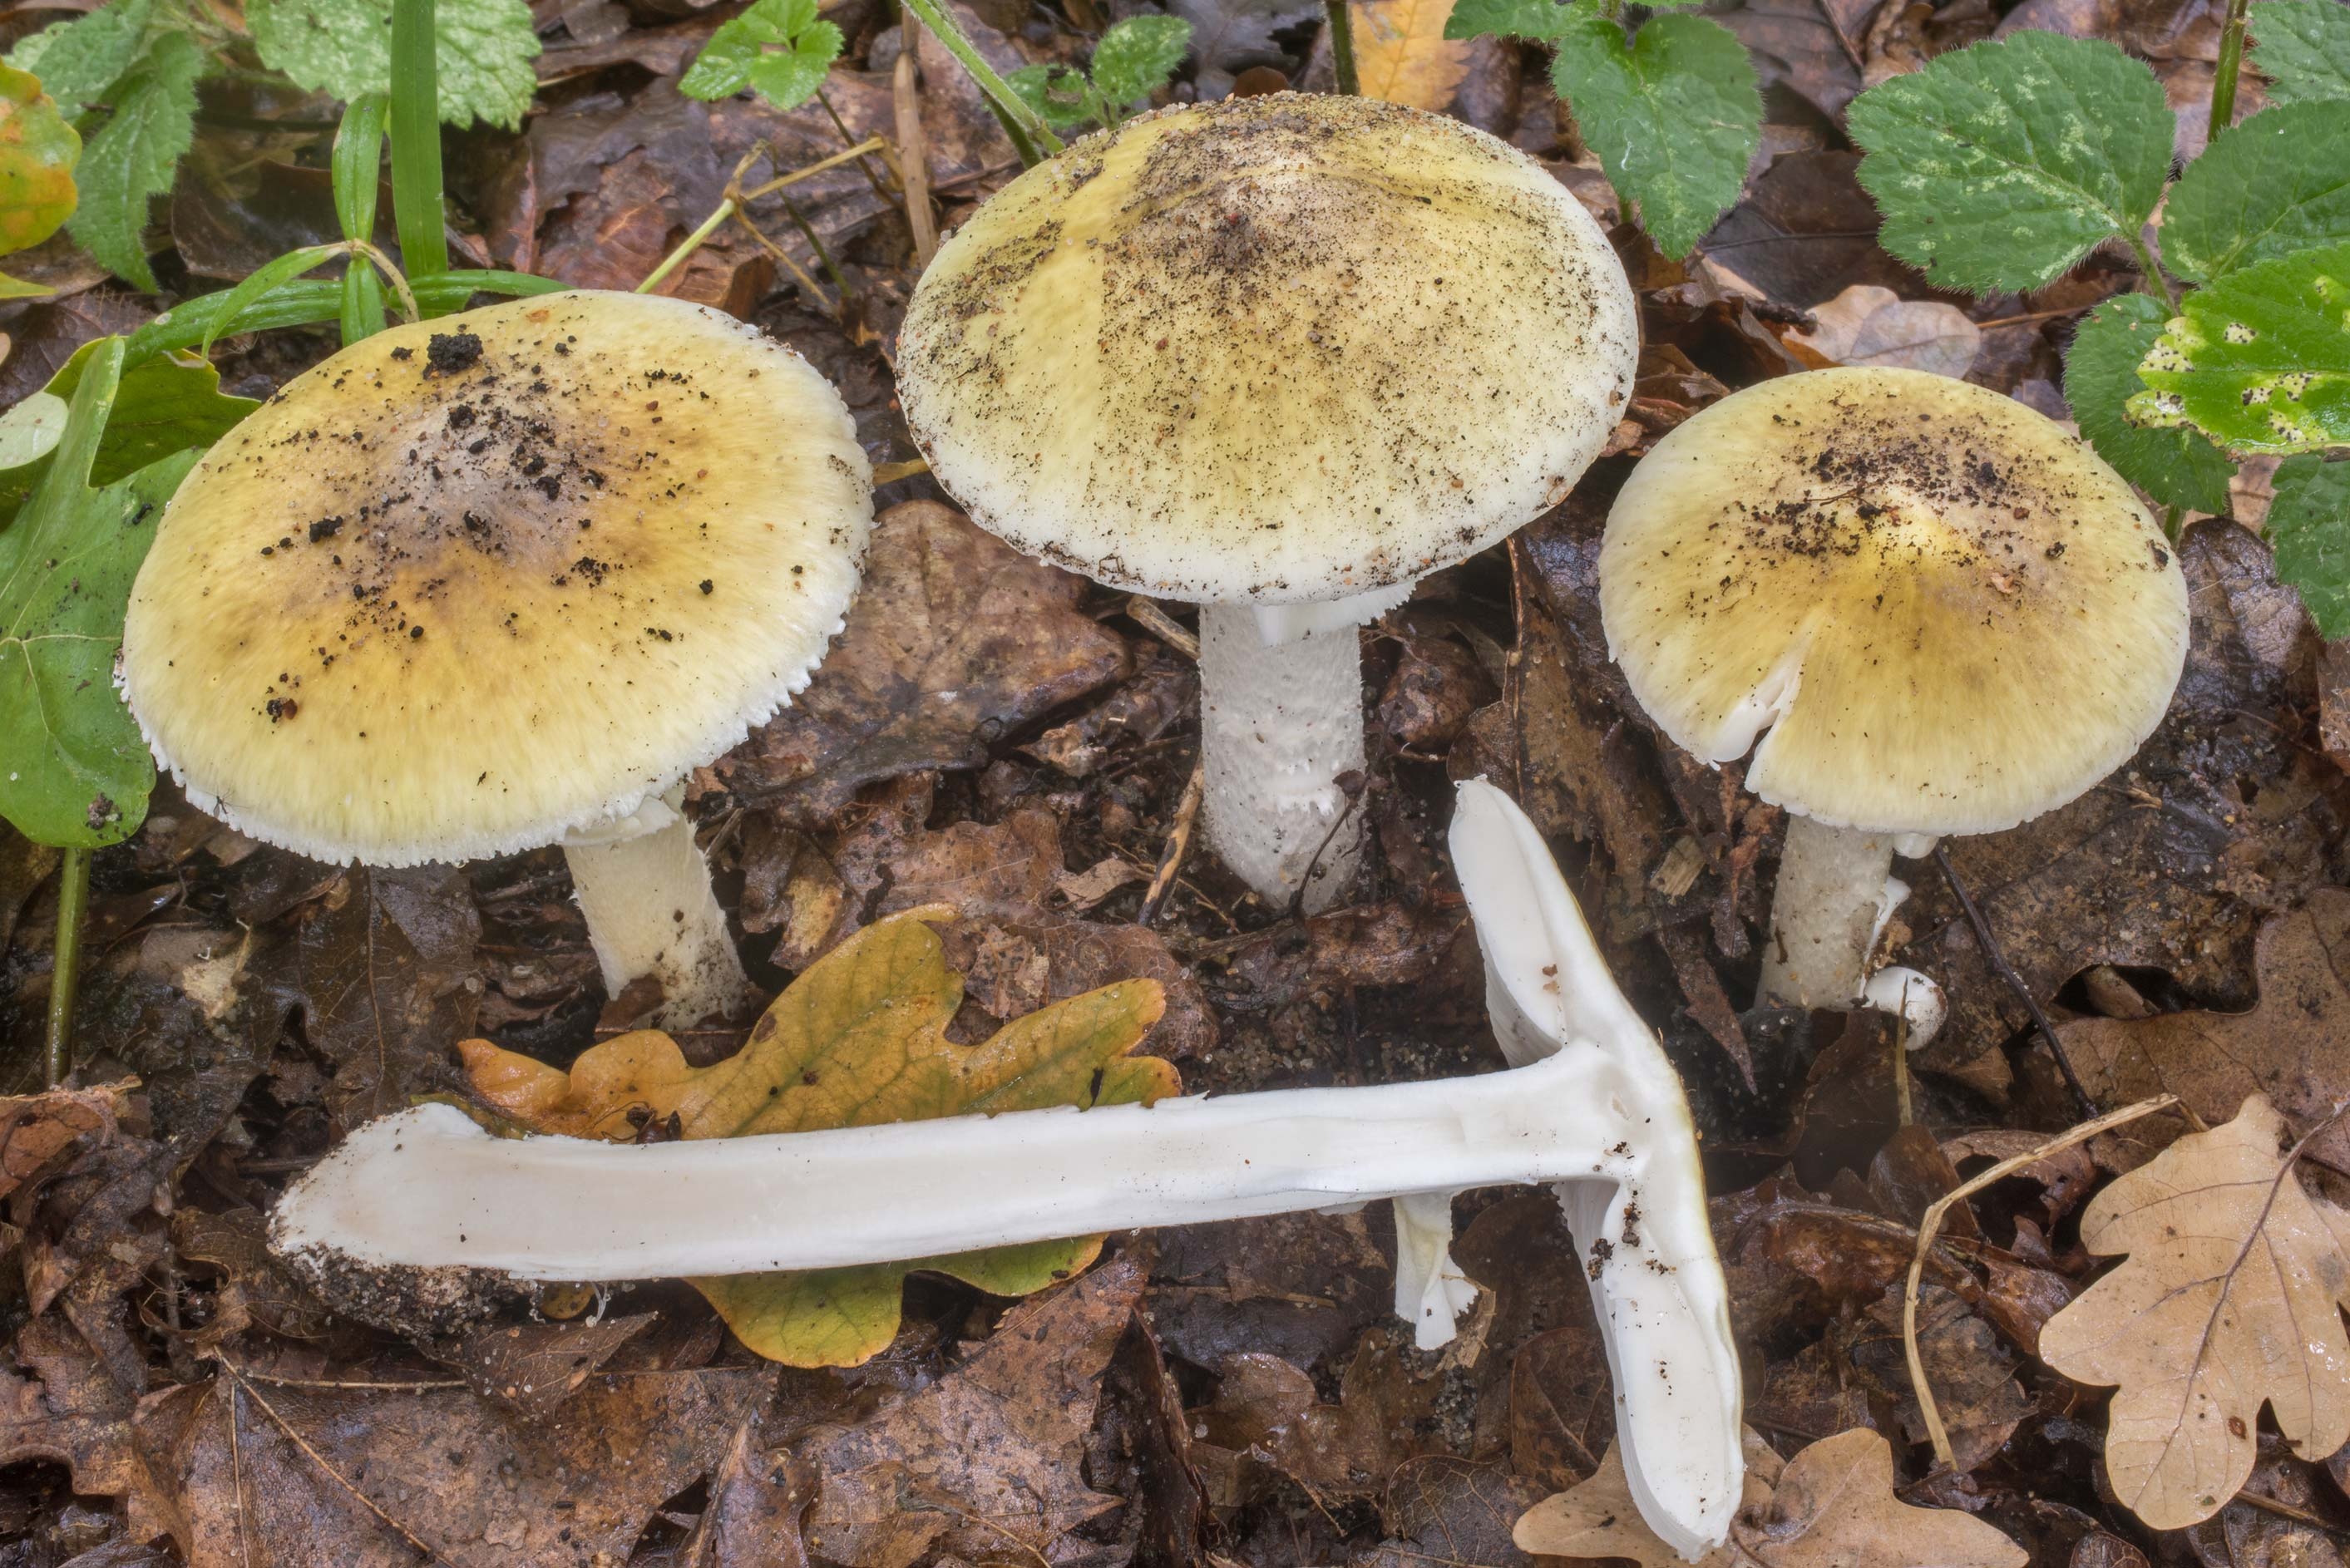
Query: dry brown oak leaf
x,y
2291,1047
858,1040
2231,1296
1831,1506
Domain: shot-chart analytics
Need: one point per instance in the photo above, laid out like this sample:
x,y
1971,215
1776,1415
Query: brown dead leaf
x,y
37,1131
1972,1374
1268,1413
2229,1297
1402,54
1562,1408
1870,325
68,1407
988,1458
957,639
534,1367
2289,1048
1451,1511
1831,1506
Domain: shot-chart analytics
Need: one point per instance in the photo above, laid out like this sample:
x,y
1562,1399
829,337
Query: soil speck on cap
x,y
450,352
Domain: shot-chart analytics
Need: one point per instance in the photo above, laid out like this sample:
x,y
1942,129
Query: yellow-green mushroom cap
x,y
1276,350
473,584
1950,615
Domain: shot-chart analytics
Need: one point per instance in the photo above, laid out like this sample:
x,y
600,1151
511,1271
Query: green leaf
x,y
1135,58
1542,19
1056,93
79,60
2302,46
132,160
161,406
303,304
1997,166
2260,361
778,49
37,152
2177,467
2277,184
344,47
1674,115
358,166
76,772
2309,527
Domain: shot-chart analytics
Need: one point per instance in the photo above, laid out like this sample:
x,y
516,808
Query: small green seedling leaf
x,y
1544,20
37,153
79,60
1137,57
75,771
2177,467
2260,361
2277,184
2000,165
2309,526
161,406
1673,112
1062,98
778,48
2302,46
344,47
131,160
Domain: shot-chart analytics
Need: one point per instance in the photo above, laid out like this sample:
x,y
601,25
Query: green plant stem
x,y
2232,65
65,973
687,246
840,125
358,164
2149,270
1342,46
1031,137
2171,517
831,268
416,141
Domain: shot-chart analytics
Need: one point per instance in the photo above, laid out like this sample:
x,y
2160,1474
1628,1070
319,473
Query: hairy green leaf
x,y
1543,19
2309,526
2260,361
1999,166
344,47
161,406
2277,184
1673,113
130,161
77,772
1135,58
1062,98
778,48
2177,467
79,60
2302,46
37,153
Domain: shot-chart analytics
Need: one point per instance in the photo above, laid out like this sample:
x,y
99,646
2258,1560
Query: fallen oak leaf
x,y
1830,1506
2230,1297
858,1040
1402,54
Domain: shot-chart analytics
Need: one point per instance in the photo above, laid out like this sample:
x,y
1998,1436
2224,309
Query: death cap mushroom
x,y
1285,353
483,584
1950,614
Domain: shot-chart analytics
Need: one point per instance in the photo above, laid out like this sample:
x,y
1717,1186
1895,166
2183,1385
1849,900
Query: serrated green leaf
x,y
1543,19
2277,184
2000,165
1674,114
77,772
2309,527
2177,467
79,60
1135,58
1056,93
131,160
37,153
161,406
2302,46
2260,361
778,48
344,47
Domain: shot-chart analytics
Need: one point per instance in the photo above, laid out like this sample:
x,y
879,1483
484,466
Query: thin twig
x,y
831,267
1997,958
1932,1222
865,168
687,246
65,966
1146,614
320,1459
914,161
1178,845
891,472
785,182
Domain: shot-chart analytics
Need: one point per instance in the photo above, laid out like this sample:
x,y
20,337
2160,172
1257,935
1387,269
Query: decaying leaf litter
x,y
1005,739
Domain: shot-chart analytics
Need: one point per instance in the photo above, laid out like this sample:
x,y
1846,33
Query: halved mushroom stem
x,y
1281,719
644,887
1595,1109
1836,892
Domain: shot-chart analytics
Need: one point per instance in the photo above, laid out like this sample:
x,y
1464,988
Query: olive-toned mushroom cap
x,y
1280,349
473,583
1950,615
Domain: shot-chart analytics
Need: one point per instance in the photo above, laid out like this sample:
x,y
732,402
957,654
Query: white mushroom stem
x,y
1836,892
1595,1107
1281,718
650,911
